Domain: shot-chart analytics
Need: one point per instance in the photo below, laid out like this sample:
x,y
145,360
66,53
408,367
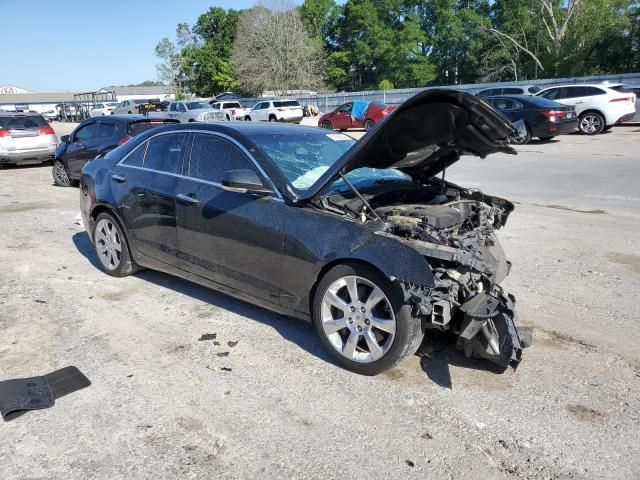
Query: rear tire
x,y
247,118
401,332
523,140
591,123
111,247
272,118
60,174
369,124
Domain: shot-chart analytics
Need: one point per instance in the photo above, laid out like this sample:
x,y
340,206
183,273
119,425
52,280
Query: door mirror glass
x,y
244,180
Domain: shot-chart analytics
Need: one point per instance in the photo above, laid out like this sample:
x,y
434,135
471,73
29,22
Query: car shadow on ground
x,y
438,354
294,330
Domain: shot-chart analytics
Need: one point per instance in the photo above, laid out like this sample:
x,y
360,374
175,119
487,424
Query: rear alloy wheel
x,y
591,123
523,140
363,321
327,124
369,124
60,174
111,247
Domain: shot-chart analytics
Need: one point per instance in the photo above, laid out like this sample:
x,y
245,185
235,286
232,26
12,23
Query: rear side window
x,y
211,156
137,128
164,152
106,130
591,91
574,92
231,105
533,90
286,103
22,122
511,91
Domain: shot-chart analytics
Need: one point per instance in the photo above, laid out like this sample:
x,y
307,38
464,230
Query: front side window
x,y
172,107
136,157
551,94
181,108
197,105
346,108
164,152
212,155
85,133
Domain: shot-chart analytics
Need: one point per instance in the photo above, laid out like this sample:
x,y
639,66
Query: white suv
x,y
276,111
599,107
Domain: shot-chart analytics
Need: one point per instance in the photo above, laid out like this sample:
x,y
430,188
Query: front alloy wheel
x,y
363,319
357,319
61,174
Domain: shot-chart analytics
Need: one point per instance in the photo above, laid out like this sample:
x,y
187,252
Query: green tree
x,y
319,17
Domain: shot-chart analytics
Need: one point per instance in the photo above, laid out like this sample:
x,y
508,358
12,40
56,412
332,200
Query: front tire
x,y
272,118
247,118
591,123
60,174
363,321
111,247
369,124
327,124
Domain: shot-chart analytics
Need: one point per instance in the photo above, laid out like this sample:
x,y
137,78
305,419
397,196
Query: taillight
x,y
4,133
46,131
123,140
621,99
553,115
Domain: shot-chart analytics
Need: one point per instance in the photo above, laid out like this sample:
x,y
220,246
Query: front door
x,y
230,237
144,186
342,117
82,148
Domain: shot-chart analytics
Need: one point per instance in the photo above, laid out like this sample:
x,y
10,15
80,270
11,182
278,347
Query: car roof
x,y
247,129
600,85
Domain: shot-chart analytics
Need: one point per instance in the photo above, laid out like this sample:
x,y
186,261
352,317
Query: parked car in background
x,y
598,106
129,107
356,114
50,115
25,138
106,108
511,90
95,137
193,111
231,110
542,118
263,212
289,111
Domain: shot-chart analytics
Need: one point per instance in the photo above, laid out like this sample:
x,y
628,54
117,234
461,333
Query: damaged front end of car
x,y
451,227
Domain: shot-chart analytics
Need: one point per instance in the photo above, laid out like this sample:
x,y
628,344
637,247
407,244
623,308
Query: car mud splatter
x,y
584,413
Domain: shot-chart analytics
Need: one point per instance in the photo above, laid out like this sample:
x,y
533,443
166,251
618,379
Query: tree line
x,y
384,44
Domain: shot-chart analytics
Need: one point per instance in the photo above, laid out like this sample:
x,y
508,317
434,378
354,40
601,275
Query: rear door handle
x,y
119,178
188,199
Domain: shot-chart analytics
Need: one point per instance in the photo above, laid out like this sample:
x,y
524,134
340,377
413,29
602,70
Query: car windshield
x,y
286,103
303,158
196,105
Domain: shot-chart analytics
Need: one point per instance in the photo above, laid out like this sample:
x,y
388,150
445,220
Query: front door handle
x,y
188,199
119,178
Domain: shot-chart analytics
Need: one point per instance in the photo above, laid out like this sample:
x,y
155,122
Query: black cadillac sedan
x,y
365,239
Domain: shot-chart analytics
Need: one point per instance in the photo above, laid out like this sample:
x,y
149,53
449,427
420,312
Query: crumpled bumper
x,y
489,331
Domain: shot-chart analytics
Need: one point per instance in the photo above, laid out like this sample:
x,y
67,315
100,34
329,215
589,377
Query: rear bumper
x,y
552,129
295,119
626,118
27,157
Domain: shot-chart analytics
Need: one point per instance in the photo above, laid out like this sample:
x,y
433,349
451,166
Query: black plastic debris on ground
x,y
208,336
20,395
232,343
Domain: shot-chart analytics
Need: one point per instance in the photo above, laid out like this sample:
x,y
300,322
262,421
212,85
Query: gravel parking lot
x,y
164,404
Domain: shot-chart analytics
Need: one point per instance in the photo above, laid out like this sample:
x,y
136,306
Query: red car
x,y
356,114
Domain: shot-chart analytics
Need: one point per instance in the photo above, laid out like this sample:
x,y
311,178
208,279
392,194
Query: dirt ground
x,y
164,404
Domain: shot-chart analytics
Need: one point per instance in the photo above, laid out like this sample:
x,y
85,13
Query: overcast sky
x,y
83,45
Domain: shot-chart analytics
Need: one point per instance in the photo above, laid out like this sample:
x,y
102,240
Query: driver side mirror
x,y
244,180
65,138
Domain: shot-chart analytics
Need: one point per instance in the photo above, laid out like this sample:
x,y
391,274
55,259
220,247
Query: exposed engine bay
x,y
454,229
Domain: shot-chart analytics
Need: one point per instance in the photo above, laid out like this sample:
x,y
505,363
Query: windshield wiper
x,y
363,200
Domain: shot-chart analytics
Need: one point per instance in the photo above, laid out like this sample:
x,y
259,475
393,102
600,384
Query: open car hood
x,y
425,135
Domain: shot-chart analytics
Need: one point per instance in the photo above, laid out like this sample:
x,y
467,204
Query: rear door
x,y
230,237
144,185
82,148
